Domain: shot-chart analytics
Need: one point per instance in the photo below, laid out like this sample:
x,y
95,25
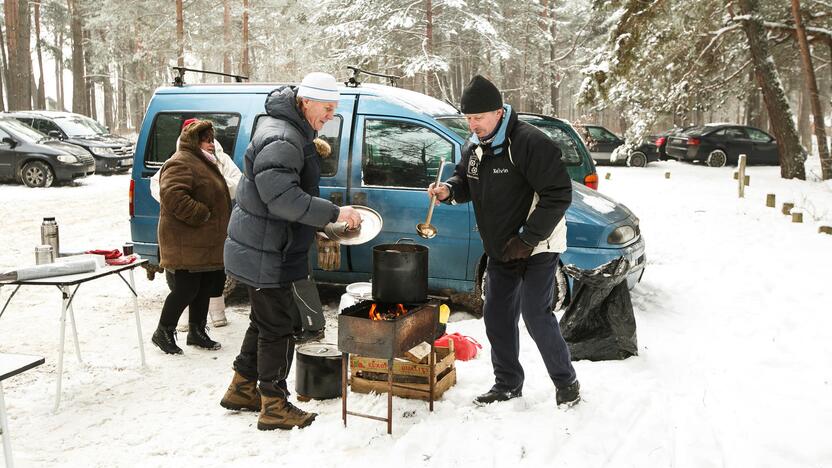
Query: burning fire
x,y
389,312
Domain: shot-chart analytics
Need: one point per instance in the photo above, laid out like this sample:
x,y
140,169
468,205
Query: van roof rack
x,y
354,83
179,80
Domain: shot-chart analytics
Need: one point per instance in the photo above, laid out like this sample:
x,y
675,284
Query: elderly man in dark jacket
x,y
269,236
513,174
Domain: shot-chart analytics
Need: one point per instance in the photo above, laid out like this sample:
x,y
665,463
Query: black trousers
x,y
193,290
269,345
524,288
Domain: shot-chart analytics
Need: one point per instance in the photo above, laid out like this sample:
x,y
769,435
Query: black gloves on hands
x,y
516,249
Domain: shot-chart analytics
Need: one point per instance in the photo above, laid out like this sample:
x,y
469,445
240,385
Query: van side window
x,y
401,154
331,133
161,144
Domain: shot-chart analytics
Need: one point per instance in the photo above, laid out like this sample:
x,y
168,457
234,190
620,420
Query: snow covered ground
x,y
734,365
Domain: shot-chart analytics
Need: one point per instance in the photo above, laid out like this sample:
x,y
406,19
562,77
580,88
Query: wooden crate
x,y
410,380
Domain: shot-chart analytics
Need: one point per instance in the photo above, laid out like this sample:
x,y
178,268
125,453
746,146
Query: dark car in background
x,y
662,138
603,143
719,144
112,153
574,154
37,160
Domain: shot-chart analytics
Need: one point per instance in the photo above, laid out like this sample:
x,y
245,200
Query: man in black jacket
x,y
513,174
269,236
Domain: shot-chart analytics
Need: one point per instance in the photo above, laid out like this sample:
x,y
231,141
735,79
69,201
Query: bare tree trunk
x,y
812,86
804,128
780,115
428,45
245,65
180,35
20,61
3,71
41,98
79,89
226,36
123,118
109,118
59,71
89,87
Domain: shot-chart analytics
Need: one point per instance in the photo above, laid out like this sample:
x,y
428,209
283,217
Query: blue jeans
x,y
527,288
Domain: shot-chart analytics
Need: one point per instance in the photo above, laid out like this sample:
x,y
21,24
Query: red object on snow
x,y
465,347
122,260
108,254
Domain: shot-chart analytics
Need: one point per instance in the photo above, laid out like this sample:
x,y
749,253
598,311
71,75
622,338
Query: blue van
x,y
386,143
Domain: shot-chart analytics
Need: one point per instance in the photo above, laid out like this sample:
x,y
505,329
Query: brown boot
x,y
279,413
242,394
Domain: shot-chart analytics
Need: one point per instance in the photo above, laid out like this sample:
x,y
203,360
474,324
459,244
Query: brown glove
x,y
516,249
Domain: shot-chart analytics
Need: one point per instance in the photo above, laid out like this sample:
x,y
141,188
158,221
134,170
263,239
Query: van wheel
x,y
716,158
559,302
637,159
37,174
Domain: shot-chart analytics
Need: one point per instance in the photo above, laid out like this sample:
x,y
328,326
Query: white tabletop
x,y
67,280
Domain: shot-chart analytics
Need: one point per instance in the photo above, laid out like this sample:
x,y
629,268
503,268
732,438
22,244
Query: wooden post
x,y
770,200
607,176
747,180
787,208
825,230
667,175
736,175
797,217
741,176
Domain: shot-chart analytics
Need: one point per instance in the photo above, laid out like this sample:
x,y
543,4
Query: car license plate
x,y
126,162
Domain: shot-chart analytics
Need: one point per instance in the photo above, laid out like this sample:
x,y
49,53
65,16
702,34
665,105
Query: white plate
x,y
371,225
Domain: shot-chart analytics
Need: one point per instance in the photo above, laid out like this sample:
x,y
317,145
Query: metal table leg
x,y
62,333
65,291
4,430
136,311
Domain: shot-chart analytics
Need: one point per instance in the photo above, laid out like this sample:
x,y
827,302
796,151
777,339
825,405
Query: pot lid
x,y
371,224
327,350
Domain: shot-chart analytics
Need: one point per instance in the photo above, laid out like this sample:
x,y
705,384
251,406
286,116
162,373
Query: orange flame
x,y
391,313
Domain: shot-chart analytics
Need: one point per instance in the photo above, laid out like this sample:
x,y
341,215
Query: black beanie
x,y
480,95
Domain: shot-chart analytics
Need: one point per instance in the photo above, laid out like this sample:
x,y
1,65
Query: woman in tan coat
x,y
193,220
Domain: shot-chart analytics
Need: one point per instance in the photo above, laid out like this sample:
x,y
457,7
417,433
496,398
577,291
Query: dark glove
x,y
516,249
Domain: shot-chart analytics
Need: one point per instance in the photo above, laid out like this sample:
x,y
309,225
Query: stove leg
x,y
345,358
432,381
390,396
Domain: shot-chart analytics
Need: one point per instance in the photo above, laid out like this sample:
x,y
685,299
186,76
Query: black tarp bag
x,y
599,324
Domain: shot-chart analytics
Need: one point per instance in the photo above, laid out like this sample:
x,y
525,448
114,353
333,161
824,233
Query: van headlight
x,y
622,234
102,151
67,158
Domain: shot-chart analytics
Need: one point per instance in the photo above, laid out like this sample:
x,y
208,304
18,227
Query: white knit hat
x,y
319,87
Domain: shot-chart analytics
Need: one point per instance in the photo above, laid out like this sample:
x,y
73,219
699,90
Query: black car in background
x,y
112,153
37,160
719,144
602,144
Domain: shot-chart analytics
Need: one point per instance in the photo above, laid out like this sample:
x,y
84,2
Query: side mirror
x,y
447,170
54,134
9,141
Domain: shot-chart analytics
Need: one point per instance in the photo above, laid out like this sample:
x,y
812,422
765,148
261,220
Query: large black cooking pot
x,y
400,272
318,371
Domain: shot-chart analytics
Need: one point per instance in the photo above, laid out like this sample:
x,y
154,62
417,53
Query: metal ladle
x,y
427,230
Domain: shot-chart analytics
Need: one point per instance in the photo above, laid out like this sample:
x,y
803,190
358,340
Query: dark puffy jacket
x,y
278,209
518,163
